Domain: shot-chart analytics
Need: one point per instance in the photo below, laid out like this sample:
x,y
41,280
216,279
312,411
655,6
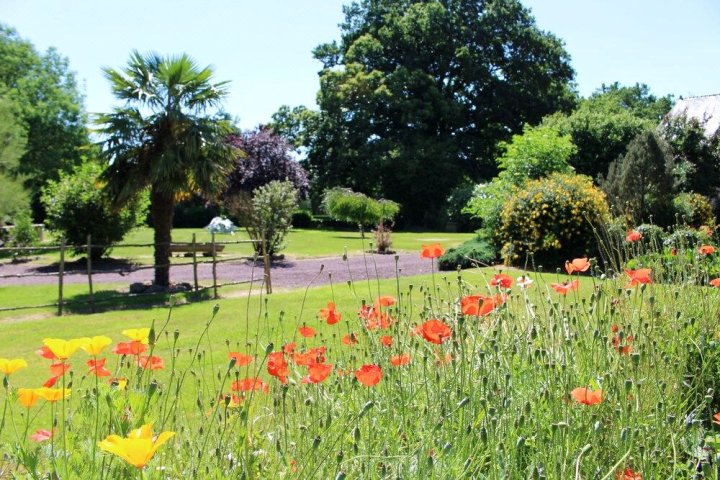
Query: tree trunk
x,y
161,206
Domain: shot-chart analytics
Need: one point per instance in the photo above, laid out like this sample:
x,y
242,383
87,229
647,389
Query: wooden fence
x,y
192,248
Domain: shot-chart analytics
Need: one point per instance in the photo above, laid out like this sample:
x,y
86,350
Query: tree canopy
x,y
417,94
45,99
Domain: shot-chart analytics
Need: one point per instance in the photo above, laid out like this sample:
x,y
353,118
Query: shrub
x,y
467,255
302,219
194,213
23,234
267,214
693,209
77,207
346,205
552,218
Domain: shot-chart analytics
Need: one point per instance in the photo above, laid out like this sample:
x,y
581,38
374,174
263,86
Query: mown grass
x,y
492,401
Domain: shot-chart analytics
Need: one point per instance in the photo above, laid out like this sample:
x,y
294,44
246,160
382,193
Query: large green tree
x,y
13,139
604,124
417,94
48,106
167,136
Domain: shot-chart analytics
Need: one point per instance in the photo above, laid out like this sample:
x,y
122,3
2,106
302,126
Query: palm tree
x,y
167,136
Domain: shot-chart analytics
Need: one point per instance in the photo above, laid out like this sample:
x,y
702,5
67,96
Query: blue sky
x,y
264,47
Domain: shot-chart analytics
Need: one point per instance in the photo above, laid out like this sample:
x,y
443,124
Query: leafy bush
x,y
346,205
77,207
267,214
23,234
467,255
194,213
693,209
552,218
302,219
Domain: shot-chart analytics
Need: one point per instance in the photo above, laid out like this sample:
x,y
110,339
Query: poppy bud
x,y
269,348
598,427
340,476
623,434
356,433
316,443
483,434
232,363
339,456
635,357
520,442
628,385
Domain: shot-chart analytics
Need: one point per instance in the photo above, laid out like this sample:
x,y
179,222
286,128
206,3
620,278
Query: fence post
x,y
194,254
89,273
214,267
61,269
266,266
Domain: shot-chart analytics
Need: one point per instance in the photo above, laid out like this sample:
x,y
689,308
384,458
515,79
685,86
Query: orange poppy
x,y
150,362
715,282
716,418
385,301
386,340
633,236
317,373
277,366
564,288
27,396
350,339
50,382
136,347
289,348
369,375
639,276
706,249
59,369
501,280
97,367
435,331
250,384
628,474
45,352
618,345
577,265
432,251
673,251
306,332
400,360
470,304
311,357
586,396
331,315
241,359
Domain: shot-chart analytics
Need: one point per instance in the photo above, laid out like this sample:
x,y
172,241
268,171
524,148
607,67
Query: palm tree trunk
x,y
161,206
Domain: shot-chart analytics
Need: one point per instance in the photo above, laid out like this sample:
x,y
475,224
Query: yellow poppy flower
x,y
64,349
95,345
52,394
27,396
8,367
137,334
139,446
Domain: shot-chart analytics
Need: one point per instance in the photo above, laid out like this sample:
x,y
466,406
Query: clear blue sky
x,y
264,47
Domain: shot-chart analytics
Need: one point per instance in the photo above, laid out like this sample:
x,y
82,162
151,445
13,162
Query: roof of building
x,y
706,109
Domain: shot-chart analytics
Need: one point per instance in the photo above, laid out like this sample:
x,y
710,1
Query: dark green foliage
x,y
48,107
76,207
416,95
693,209
604,124
194,213
473,253
302,219
640,185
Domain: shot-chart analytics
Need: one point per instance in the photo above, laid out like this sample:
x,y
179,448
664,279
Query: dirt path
x,y
284,274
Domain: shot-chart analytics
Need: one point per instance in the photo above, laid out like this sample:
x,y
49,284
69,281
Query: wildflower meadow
x,y
581,373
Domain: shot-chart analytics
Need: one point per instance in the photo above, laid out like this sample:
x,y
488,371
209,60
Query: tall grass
x,y
494,400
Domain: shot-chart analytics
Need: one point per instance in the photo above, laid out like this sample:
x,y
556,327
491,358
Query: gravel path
x,y
284,274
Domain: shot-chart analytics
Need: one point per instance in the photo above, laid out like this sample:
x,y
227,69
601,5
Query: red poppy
x,y
311,357
470,304
716,418
59,369
385,301
330,314
639,276
628,474
399,360
432,251
633,236
586,396
375,319
350,339
577,265
250,384
317,373
623,349
369,375
715,282
150,362
386,340
97,367
241,359
45,352
277,366
289,348
706,249
673,251
501,280
136,347
564,288
614,328
435,331
50,382
306,332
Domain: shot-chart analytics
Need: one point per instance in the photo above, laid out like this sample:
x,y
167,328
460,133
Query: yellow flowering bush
x,y
551,218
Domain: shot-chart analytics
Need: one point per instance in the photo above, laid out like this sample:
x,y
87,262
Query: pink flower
x,y
41,435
